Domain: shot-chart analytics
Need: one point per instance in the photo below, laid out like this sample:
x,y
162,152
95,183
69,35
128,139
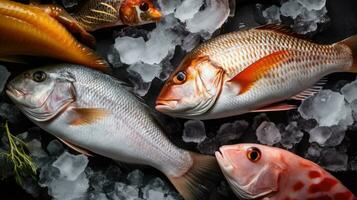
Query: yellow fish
x,y
28,30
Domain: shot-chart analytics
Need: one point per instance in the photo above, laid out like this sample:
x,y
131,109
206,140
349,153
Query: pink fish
x,y
262,172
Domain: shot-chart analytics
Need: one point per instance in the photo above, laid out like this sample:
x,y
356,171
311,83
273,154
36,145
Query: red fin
x,y
311,91
84,116
276,107
254,72
76,148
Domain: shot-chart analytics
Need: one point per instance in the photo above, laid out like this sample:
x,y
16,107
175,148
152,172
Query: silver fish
x,y
93,112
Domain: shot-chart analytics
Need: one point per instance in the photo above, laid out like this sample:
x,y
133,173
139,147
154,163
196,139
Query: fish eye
x,y
254,154
39,76
144,6
180,77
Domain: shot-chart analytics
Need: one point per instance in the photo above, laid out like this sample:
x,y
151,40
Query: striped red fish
x,y
252,71
262,172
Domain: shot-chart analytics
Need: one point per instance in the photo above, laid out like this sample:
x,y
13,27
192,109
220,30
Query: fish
x,y
28,31
93,113
256,171
97,14
254,70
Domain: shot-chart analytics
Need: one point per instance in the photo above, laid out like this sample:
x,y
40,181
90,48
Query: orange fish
x,y
97,14
261,172
27,30
252,71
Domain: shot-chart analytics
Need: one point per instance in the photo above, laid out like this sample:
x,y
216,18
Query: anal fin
x,y
76,148
276,107
311,91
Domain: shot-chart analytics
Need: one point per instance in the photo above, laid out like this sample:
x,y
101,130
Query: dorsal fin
x,y
279,28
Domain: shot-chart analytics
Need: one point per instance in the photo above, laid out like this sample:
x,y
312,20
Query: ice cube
x,y
136,178
333,160
127,192
139,86
320,135
10,112
313,4
313,152
350,91
130,49
291,135
168,6
190,42
64,189
98,196
272,14
55,148
291,8
35,149
210,18
188,9
71,166
319,107
229,132
338,134
4,75
194,131
147,72
267,133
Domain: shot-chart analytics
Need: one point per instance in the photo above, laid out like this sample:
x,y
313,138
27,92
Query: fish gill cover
x,y
322,129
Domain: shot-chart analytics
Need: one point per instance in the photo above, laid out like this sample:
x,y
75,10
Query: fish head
x,y
192,89
253,171
137,12
41,93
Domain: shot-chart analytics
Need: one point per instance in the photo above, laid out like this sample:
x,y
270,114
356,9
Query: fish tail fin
x,y
200,179
351,42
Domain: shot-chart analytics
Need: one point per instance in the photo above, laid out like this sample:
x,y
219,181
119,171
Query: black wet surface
x,y
343,14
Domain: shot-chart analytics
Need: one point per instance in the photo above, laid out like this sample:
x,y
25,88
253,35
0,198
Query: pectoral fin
x,y
247,78
276,107
83,116
76,148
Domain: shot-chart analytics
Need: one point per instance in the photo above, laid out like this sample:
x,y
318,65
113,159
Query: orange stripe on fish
x,y
85,116
257,70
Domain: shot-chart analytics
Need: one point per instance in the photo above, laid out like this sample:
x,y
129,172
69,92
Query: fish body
x,y
92,112
27,30
97,14
249,71
261,172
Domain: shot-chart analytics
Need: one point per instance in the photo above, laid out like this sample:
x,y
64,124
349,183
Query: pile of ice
x,y
186,24
307,14
68,176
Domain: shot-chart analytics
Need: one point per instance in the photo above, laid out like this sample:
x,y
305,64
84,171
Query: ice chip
x,y
168,6
35,149
319,107
313,152
71,166
135,177
69,190
350,91
210,18
4,75
291,9
313,4
188,9
190,42
127,192
194,131
229,132
55,148
272,14
130,49
291,135
147,72
267,133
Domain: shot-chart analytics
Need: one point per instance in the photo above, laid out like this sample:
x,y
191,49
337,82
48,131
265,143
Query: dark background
x,y
343,14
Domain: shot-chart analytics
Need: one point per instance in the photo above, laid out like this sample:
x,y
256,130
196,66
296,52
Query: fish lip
x,y
162,104
13,91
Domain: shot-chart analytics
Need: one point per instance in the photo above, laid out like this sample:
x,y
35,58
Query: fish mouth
x,y
166,105
14,92
222,160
